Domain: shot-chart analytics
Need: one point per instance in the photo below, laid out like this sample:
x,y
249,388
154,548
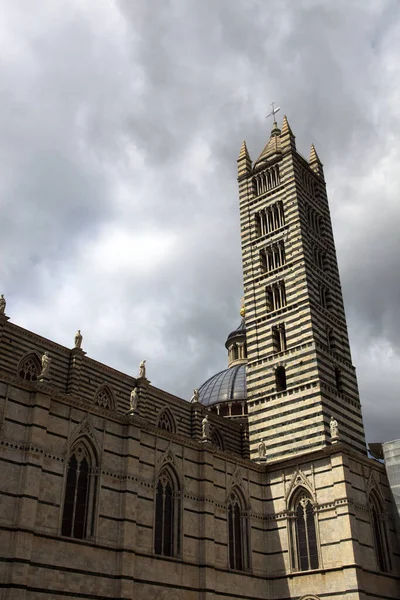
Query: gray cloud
x,y
121,124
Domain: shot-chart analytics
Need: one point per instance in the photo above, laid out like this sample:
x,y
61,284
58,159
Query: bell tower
x,y
299,370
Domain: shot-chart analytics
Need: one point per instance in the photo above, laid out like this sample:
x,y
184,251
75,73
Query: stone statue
x,y
334,428
2,305
195,397
134,399
206,427
78,339
142,369
262,449
46,364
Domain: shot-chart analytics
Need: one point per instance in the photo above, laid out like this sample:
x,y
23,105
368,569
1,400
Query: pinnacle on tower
x,y
314,162
244,161
286,127
287,136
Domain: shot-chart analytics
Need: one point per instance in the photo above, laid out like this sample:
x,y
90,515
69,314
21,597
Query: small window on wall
x,y
280,379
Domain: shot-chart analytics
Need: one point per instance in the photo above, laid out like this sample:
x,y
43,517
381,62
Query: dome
x,y
226,386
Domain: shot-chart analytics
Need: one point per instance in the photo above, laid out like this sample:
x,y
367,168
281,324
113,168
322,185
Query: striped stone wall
x,y
36,429
320,377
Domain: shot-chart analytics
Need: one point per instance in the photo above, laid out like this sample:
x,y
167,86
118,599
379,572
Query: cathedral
x,y
259,488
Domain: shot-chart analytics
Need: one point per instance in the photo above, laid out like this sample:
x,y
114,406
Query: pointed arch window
x,y
304,545
217,439
237,534
379,534
78,518
167,534
29,368
104,397
166,421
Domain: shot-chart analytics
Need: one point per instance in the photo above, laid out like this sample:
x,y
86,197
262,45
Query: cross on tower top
x,y
273,111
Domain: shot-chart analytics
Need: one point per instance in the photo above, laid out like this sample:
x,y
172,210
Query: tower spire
x,y
314,162
244,161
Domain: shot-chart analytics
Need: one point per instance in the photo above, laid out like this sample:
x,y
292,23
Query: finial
x,y
273,113
242,309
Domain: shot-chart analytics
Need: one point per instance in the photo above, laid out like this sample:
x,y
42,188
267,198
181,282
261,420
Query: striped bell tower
x,y
299,372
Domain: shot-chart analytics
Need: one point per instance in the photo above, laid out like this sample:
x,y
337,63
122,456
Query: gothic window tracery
x,y
237,534
167,531
29,367
104,398
165,421
80,492
303,533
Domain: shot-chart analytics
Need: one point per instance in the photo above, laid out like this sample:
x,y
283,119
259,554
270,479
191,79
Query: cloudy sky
x,y
120,125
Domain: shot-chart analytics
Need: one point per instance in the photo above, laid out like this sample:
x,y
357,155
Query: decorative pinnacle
x,y
286,126
313,155
244,153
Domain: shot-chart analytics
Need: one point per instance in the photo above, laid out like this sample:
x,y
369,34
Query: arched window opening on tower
x,y
167,531
314,220
269,219
324,297
237,534
338,380
235,352
319,258
308,182
275,296
262,182
304,548
330,338
80,492
272,257
280,379
279,338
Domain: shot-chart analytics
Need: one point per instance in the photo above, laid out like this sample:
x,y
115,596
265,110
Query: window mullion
x,y
77,472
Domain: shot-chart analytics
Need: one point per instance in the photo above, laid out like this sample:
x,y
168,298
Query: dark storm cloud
x,y
121,124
